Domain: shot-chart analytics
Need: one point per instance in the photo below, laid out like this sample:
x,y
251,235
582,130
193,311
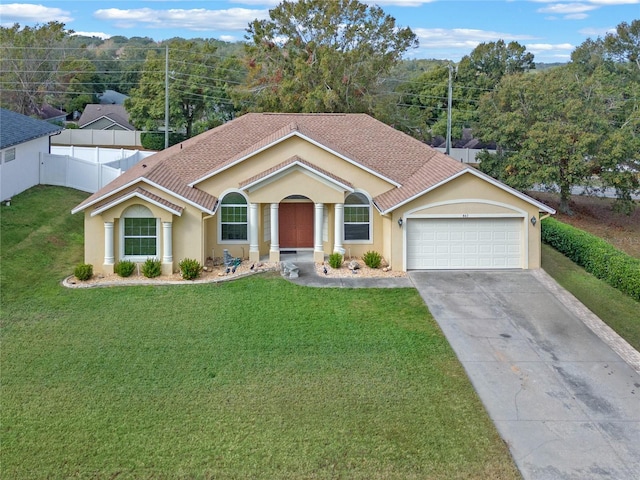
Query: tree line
x,y
574,124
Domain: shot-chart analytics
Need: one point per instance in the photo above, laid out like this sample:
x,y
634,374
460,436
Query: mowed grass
x,y
619,311
255,378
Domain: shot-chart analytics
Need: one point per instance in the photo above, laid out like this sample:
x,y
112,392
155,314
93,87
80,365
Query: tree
x,y
489,62
322,56
29,64
78,77
550,128
197,88
624,45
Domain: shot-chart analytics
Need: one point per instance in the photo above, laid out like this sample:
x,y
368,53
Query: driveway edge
x,y
618,344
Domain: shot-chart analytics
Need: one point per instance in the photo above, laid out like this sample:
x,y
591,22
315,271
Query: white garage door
x,y
464,243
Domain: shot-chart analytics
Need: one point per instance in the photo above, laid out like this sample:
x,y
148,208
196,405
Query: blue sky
x,y
447,29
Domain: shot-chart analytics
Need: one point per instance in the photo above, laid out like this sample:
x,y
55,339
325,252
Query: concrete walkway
x,y
566,402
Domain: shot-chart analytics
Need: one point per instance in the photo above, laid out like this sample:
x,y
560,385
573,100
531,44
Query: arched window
x,y
357,218
233,217
139,233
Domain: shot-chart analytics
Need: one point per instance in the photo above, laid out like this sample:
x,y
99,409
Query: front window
x,y
357,218
233,217
140,237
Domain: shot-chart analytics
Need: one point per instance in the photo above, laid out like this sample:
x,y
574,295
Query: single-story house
x,y
265,183
105,117
22,140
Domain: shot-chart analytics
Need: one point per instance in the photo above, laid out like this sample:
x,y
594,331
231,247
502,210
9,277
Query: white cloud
x,y
11,13
570,10
198,19
565,9
101,35
457,37
453,44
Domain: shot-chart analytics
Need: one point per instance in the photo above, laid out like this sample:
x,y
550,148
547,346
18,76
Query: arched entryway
x,y
296,223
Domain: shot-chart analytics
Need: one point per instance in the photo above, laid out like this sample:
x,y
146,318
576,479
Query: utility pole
x,y
449,102
166,97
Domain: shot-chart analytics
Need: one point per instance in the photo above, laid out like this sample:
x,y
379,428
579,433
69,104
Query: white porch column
x,y
109,258
167,245
318,248
254,250
338,228
274,250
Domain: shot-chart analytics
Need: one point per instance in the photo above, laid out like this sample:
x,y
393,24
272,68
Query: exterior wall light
x,y
533,220
400,222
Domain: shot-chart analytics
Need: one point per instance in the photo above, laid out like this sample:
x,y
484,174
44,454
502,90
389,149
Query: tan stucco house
x,y
265,183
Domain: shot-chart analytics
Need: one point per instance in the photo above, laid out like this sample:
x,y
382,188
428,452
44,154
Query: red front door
x,y
295,222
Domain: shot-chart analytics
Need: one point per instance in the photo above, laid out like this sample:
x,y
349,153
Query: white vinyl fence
x,y
97,137
464,155
67,171
121,158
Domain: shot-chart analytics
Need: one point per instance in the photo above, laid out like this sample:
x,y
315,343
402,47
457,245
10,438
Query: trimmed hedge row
x,y
597,256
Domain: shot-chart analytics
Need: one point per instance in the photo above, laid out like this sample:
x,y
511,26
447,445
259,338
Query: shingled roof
x,y
116,114
16,128
408,164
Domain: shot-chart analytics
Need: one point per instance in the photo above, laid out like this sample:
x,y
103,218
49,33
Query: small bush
x,y
597,256
124,268
335,260
372,259
190,268
84,271
151,268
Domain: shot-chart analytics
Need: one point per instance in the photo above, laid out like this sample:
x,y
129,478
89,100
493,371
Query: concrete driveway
x,y
563,399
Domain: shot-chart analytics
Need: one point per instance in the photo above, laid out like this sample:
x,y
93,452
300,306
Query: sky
x,y
446,29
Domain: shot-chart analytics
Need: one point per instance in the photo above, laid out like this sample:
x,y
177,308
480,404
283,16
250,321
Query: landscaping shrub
x,y
335,260
372,259
84,271
190,268
155,140
124,268
151,268
597,256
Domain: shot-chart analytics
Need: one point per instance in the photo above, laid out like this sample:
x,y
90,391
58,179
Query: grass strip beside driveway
x,y
616,309
255,378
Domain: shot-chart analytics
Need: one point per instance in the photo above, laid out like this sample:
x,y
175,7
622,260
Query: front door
x,y
295,222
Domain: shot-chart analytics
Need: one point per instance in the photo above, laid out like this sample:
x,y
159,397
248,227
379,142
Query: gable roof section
x,y
432,176
156,171
139,192
117,114
16,128
286,132
293,162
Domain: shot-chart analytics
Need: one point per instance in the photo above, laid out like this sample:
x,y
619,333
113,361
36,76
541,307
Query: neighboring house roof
x,y
111,97
408,165
116,114
16,128
50,113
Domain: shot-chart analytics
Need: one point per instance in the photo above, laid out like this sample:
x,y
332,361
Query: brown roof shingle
x,y
359,138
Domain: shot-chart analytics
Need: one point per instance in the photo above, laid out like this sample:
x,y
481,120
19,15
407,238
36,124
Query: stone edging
x,y
66,282
618,344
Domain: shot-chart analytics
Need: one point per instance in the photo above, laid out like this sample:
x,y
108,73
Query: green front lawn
x,y
616,309
255,378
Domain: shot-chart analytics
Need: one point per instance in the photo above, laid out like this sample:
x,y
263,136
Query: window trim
x,y
138,211
370,222
219,215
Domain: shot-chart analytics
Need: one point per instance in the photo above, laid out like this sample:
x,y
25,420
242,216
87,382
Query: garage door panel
x,y
480,243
